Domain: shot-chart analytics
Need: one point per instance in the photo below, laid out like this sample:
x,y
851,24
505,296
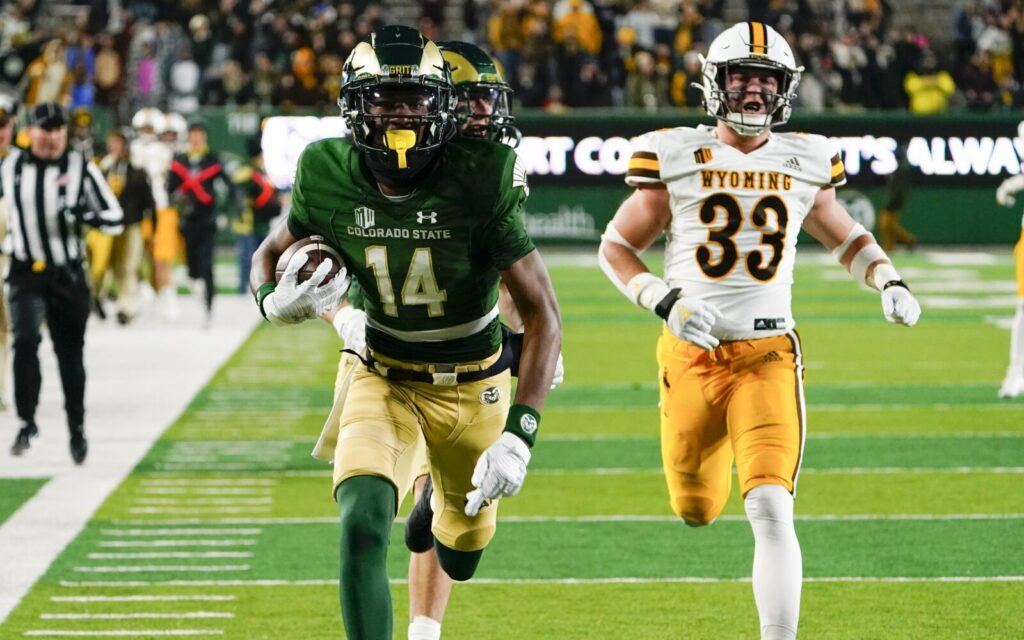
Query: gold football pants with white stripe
x,y
742,402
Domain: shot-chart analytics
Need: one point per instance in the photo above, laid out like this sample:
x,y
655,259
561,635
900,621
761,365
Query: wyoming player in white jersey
x,y
731,200
1013,383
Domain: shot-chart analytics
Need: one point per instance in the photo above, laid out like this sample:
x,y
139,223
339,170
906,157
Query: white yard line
x,y
163,568
855,517
136,533
191,615
200,598
131,633
126,413
206,482
168,555
538,581
128,544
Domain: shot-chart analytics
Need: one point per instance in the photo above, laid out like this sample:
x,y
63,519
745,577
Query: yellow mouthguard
x,y
400,141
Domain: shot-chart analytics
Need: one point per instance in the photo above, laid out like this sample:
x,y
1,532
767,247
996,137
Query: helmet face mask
x,y
484,107
482,110
741,54
397,81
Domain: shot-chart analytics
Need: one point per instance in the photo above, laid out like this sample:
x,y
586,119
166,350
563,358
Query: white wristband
x,y
342,316
884,273
647,290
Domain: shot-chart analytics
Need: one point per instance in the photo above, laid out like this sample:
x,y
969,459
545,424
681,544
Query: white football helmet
x,y
149,118
749,44
175,123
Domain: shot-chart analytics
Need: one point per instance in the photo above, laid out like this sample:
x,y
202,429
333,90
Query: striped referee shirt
x,y
48,201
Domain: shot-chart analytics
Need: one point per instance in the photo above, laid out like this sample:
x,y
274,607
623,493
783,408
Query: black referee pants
x,y
60,296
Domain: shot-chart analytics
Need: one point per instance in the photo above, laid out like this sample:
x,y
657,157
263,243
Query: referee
x,y
50,193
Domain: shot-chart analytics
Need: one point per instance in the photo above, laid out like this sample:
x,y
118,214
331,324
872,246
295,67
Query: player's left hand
x,y
900,306
500,472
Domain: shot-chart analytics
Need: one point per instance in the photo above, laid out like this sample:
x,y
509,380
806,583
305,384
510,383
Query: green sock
x,y
367,509
459,565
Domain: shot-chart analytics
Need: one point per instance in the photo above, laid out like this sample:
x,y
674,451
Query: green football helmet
x,y
483,109
397,99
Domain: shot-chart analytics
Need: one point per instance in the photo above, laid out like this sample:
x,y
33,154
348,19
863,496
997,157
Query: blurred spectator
x,y
591,87
264,80
683,91
929,88
301,87
109,72
505,36
995,39
231,88
578,29
976,81
688,33
184,83
645,86
643,21
47,76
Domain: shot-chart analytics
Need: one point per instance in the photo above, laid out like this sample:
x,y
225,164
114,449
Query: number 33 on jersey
x,y
735,218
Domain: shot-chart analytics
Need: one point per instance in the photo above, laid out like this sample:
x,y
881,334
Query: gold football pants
x,y
742,402
383,422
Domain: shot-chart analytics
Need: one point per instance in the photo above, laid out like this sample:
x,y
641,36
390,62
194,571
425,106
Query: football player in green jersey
x,y
426,225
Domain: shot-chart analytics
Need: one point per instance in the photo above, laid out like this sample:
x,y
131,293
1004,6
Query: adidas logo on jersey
x,y
793,164
769,324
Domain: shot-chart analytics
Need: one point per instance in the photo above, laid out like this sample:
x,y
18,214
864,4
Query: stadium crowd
x,y
558,54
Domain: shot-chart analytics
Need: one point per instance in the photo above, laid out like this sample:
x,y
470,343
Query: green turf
x,y
15,492
911,491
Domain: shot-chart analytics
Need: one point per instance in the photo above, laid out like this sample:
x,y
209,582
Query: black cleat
x,y
418,537
23,441
79,447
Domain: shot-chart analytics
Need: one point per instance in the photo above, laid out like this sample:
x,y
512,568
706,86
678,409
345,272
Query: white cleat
x,y
1013,384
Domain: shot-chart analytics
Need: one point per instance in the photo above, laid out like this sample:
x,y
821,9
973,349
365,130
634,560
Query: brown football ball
x,y
317,250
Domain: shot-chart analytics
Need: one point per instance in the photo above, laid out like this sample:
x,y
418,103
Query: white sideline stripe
x,y
136,616
240,542
126,632
181,532
166,555
826,406
530,581
210,598
161,568
204,482
125,419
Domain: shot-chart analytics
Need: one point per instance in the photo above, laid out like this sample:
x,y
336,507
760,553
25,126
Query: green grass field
x,y
910,505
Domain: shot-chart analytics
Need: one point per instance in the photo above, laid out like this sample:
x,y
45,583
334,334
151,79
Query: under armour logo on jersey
x,y
793,164
426,216
768,324
702,155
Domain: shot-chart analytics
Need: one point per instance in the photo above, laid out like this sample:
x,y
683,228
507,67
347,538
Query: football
x,y
317,250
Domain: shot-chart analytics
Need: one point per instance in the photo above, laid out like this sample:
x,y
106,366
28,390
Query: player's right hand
x,y
1004,197
292,302
691,319
350,323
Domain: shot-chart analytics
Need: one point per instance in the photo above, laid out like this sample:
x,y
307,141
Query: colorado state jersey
x,y
427,263
735,218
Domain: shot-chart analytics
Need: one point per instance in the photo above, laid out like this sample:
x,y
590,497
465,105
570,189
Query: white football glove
x,y
691,319
900,306
500,472
350,323
292,302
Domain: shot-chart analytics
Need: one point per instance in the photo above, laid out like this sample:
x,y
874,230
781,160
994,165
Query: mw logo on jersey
x,y
426,216
364,217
